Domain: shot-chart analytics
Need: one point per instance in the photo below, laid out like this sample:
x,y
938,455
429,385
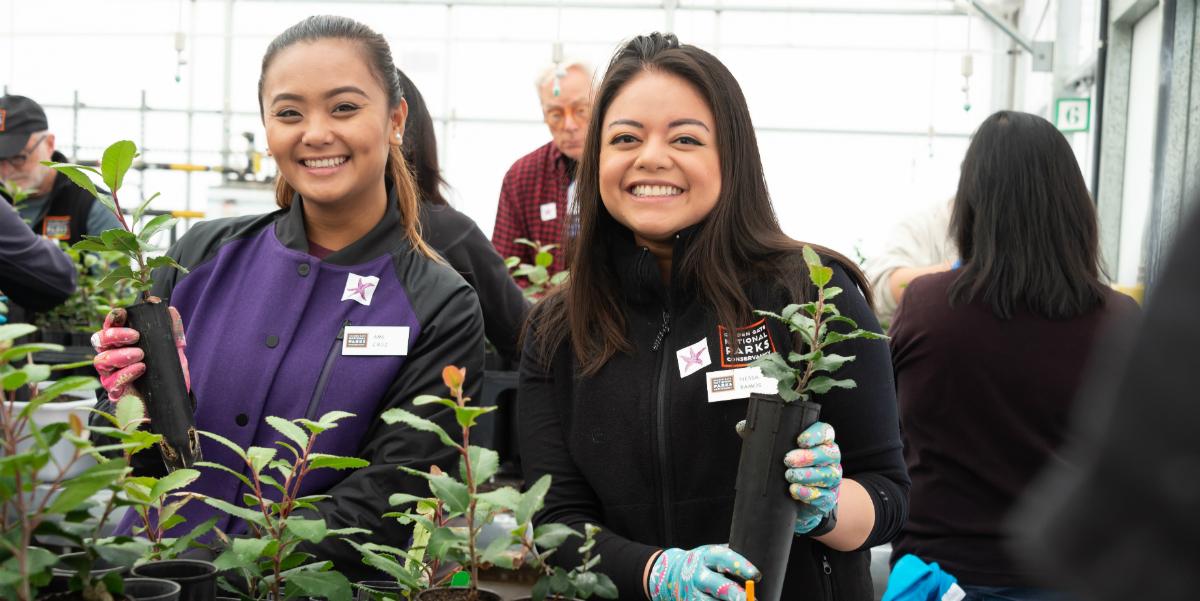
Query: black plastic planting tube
x,y
163,387
764,514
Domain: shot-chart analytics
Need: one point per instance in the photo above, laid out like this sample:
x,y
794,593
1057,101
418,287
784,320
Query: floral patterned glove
x,y
119,362
699,574
815,474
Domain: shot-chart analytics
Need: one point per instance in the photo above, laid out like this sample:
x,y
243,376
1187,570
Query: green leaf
x,y
253,516
141,208
118,158
497,553
559,278
173,481
63,386
235,473
225,441
331,585
121,241
484,464
605,588
831,363
511,262
83,486
550,536
503,498
12,331
431,399
820,275
412,420
164,261
290,430
811,258
823,384
156,225
532,500
831,292
76,174
312,531
320,460
114,277
242,552
130,412
467,416
331,418
14,379
259,457
400,499
543,259
90,244
539,275
17,352
452,492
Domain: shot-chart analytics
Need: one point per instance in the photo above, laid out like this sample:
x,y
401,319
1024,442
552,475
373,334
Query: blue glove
x,y
815,474
696,575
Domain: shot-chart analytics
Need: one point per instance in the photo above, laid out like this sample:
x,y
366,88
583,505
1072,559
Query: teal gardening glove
x,y
699,574
815,477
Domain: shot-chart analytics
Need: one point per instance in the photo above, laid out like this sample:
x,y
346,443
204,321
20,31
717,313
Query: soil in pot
x,y
151,589
197,579
457,594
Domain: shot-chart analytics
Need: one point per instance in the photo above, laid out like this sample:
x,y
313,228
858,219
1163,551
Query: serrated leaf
x,y
232,472
114,277
156,225
550,536
823,384
173,481
400,499
89,482
131,411
312,531
331,585
121,241
318,460
497,553
253,516
484,464
452,492
428,399
229,444
117,160
259,457
290,430
532,500
412,420
164,261
831,363
76,174
502,498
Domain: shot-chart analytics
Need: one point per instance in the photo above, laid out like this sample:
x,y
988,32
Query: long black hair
x,y
420,144
1024,222
740,237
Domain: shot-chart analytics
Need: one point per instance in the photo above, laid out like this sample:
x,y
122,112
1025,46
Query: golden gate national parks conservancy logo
x,y
722,383
745,345
356,340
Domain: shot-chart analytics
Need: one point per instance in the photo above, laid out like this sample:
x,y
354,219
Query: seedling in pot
x,y
267,557
538,280
559,584
163,385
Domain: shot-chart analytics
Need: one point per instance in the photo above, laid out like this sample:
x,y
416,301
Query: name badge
x,y
729,384
549,211
375,340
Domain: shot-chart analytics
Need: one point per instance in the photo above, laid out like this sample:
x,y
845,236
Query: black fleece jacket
x,y
638,449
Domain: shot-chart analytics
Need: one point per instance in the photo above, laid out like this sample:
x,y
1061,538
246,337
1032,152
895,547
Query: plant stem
x,y
815,345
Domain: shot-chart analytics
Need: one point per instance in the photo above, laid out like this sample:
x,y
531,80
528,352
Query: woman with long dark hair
x,y
271,301
988,357
678,244
455,236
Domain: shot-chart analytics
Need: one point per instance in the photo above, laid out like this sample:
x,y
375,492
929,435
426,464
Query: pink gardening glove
x,y
119,362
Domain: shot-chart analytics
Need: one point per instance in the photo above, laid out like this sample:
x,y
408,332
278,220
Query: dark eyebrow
x,y
681,122
630,122
329,94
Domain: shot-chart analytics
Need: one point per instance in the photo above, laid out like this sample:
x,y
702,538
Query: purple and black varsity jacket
x,y
265,322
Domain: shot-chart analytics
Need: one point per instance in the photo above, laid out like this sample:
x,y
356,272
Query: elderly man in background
x,y
534,199
56,208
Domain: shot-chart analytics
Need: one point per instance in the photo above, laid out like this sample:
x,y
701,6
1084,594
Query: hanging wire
x,y
557,53
1041,20
180,43
967,68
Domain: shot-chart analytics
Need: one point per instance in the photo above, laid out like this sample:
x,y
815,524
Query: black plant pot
x,y
151,589
163,387
764,514
196,578
63,572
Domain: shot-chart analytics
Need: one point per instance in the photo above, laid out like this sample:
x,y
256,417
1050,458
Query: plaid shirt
x,y
533,204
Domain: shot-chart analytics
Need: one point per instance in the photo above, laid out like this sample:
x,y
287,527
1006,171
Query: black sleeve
x,y
571,500
453,335
866,420
34,272
504,307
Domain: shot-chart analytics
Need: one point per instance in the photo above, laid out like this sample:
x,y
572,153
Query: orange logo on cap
x,y
3,113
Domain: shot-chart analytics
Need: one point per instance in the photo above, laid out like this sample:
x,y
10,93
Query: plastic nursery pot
x,y
457,594
61,579
379,590
197,579
151,589
764,514
163,387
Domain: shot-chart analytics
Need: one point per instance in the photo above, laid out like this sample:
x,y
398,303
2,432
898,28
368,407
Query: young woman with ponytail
x,y
275,305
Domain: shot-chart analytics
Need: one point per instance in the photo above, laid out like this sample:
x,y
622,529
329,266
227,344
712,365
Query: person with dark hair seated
x,y
456,237
988,357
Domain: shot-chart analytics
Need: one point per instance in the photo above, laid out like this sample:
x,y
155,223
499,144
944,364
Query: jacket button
x,y
241,419
303,269
272,341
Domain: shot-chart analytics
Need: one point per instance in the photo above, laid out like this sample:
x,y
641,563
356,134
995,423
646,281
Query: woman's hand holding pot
x,y
119,362
815,477
700,573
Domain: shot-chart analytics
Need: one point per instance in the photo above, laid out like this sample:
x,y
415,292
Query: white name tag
x,y
549,211
375,340
729,384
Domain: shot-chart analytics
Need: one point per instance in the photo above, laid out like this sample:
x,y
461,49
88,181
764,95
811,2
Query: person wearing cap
x,y
55,208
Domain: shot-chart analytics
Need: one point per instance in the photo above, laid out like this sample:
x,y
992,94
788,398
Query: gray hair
x,y
547,74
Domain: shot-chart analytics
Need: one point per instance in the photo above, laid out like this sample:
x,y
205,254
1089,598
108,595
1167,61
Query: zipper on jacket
x,y
326,372
827,569
661,422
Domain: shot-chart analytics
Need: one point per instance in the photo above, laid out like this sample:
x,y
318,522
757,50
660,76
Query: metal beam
x,y
832,8
1042,52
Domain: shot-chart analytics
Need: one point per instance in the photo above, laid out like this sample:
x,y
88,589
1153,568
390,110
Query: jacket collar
x,y
637,269
383,238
